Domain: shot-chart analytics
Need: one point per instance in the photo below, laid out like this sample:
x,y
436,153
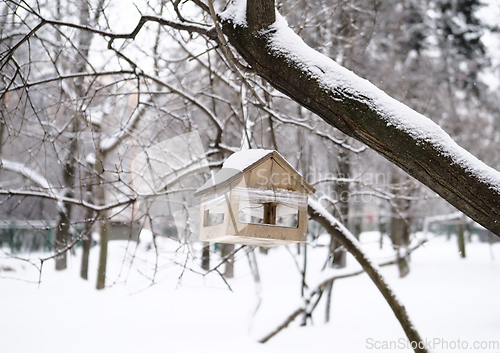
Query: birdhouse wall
x,y
232,231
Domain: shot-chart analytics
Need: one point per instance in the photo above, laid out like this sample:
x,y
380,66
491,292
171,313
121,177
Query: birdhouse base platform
x,y
263,242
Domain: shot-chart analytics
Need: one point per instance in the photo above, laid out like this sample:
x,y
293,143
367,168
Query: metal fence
x,y
27,236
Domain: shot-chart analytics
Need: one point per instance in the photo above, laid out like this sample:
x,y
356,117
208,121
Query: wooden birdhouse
x,y
257,198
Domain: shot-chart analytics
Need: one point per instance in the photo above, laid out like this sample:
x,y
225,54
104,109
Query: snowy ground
x,y
448,298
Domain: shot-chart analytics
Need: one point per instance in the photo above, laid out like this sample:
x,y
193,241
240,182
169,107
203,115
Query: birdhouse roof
x,y
242,162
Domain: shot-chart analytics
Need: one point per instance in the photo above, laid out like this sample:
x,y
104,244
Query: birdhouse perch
x,y
257,198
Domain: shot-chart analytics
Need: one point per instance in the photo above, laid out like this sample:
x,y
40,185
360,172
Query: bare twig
x,y
344,237
318,290
225,259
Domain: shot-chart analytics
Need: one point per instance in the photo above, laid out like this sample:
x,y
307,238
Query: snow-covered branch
x,y
349,241
28,173
73,201
327,278
362,111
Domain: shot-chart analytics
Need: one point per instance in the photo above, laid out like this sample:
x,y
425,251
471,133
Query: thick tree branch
x,y
346,239
284,325
360,110
316,291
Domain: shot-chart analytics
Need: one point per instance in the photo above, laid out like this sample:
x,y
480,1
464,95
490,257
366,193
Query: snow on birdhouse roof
x,y
244,159
238,164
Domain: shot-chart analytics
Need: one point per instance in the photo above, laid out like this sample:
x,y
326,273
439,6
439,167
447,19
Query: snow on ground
x,y
448,299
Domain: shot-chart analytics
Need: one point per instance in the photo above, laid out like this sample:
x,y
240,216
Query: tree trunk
x,y
400,225
437,162
490,241
87,240
86,245
103,251
227,249
317,212
205,257
263,250
329,290
2,123
63,228
61,238
399,234
304,272
337,257
461,239
103,255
